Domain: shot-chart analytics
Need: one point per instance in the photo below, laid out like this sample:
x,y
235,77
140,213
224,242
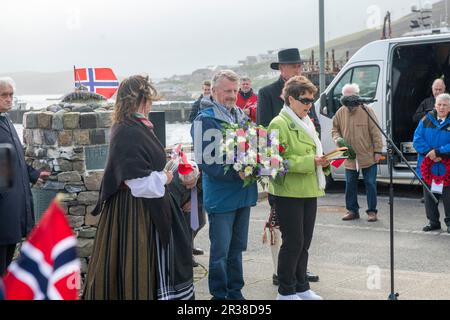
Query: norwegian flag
x,y
48,267
99,80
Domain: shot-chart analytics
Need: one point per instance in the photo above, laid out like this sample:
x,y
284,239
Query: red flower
x,y
258,158
274,163
281,149
240,133
261,132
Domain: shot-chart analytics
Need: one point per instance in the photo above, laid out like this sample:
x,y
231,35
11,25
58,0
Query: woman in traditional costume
x,y
141,229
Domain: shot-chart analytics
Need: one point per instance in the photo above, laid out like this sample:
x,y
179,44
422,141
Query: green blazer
x,y
301,180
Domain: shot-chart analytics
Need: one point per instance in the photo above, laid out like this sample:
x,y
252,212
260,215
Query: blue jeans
x,y
228,234
351,189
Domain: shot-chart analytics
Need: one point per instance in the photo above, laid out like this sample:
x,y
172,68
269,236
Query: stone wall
x,y
56,140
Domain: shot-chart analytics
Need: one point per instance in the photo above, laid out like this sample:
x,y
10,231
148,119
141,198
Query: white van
x,y
398,73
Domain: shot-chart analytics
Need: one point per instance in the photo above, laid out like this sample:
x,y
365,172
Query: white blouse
x,y
150,187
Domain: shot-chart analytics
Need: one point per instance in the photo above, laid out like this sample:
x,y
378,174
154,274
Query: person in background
x,y
247,99
432,140
428,104
206,93
353,124
16,204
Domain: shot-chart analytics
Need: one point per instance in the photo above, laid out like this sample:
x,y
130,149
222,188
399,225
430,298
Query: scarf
x,y
307,125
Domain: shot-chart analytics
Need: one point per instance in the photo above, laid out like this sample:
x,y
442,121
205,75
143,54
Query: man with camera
x,y
352,124
16,205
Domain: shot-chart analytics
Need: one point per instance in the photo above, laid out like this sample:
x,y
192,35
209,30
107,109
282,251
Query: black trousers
x,y
431,208
297,218
6,256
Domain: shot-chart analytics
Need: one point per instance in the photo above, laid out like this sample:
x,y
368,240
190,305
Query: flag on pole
x,y
48,267
99,80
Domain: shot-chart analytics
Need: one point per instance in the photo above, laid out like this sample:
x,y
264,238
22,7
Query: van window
x,y
367,79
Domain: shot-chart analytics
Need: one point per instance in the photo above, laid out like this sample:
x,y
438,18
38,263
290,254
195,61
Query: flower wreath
x,y
428,175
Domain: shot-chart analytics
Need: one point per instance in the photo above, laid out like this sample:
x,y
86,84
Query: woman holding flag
x,y
141,229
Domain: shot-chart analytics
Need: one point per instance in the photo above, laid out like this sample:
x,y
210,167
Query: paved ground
x,y
352,258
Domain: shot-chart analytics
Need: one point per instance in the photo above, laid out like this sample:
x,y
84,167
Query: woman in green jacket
x,y
296,193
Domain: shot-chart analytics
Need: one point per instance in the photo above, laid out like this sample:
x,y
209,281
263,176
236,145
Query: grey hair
x,y
443,97
350,89
7,81
245,79
224,74
438,80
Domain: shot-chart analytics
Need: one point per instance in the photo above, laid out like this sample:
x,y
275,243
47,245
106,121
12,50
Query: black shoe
x,y
312,277
431,227
422,200
448,229
275,280
197,252
194,263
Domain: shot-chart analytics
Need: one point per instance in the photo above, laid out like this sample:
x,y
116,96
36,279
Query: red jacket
x,y
249,103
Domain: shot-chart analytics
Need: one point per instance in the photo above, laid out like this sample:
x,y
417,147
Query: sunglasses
x,y
305,101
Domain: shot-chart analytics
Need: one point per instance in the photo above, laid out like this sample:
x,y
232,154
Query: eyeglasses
x,y
305,101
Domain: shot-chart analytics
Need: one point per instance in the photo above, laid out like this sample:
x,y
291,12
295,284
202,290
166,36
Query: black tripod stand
x,y
391,148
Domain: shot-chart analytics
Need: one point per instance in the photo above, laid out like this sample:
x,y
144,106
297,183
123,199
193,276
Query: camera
x,y
355,101
6,167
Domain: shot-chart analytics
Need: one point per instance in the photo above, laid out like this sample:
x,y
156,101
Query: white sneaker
x,y
309,295
289,297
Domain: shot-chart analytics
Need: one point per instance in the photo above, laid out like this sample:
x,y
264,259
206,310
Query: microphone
x,y
355,101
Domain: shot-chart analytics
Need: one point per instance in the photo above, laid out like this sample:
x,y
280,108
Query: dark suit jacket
x,y
16,205
426,106
270,105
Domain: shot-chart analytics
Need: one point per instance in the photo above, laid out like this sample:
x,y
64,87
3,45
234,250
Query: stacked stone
x,y
55,141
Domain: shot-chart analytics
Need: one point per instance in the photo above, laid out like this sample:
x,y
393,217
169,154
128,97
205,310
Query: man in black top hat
x,y
270,103
270,99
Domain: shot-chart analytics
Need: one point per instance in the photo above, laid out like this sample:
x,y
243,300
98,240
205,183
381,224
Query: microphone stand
x,y
391,148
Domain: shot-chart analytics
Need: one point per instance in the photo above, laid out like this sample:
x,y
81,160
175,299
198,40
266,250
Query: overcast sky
x,y
166,37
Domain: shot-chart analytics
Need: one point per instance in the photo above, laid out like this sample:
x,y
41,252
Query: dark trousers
x,y
431,208
297,218
6,256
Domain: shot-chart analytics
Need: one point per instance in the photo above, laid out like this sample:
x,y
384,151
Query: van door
x,y
370,77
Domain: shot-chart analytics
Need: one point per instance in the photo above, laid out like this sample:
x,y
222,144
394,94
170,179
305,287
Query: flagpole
x,y
77,77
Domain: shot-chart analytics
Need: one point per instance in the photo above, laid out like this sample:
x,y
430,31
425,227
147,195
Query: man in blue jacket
x,y
432,140
225,199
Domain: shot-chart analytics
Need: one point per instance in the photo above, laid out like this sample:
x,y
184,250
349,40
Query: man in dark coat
x,y
270,103
206,87
427,105
16,205
270,98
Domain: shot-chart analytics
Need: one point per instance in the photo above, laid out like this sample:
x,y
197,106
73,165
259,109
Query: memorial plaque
x,y
41,200
96,157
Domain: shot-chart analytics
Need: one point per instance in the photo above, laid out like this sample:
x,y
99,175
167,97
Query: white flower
x,y
248,171
241,140
274,173
252,132
237,167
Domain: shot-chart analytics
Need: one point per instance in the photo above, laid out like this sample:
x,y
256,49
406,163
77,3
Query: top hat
x,y
287,56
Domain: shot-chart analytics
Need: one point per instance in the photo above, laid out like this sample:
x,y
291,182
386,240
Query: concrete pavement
x,y
351,258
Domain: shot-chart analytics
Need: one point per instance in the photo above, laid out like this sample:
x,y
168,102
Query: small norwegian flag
x,y
99,80
48,267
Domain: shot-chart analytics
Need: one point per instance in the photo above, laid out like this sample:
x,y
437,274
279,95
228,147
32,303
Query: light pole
x,y
322,45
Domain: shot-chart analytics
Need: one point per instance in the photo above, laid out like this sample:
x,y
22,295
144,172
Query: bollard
x,y
158,118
